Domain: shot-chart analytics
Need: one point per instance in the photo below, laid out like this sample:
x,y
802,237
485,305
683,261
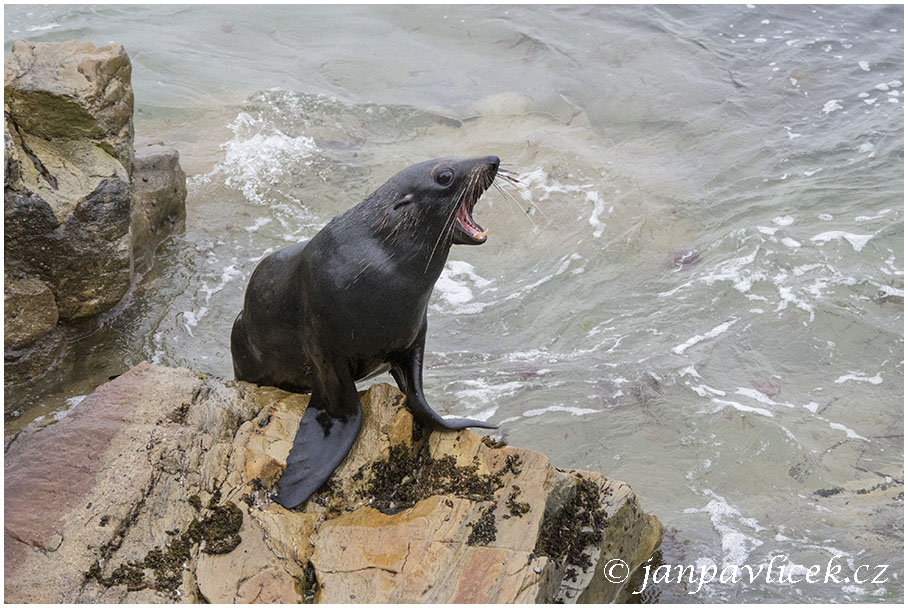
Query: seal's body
x,y
351,303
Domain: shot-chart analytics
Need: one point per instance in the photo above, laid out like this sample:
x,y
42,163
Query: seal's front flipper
x,y
323,438
321,444
408,375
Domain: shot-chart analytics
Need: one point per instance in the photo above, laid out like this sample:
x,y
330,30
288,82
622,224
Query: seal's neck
x,y
414,238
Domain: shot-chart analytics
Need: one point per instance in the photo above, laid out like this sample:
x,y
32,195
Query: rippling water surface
x,y
697,288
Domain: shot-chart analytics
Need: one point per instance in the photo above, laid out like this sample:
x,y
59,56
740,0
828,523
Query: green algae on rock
x,y
575,527
484,530
216,533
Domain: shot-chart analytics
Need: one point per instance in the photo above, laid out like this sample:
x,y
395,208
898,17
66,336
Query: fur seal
x,y
351,303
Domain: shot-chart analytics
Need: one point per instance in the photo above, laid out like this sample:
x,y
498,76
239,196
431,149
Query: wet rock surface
x,y
157,488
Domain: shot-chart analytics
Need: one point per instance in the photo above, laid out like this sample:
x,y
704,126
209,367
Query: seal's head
x,y
442,191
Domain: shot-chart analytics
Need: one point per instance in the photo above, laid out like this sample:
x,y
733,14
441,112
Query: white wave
x,y
483,415
71,404
891,291
878,215
705,391
259,222
832,105
787,296
539,187
531,355
891,267
42,28
191,318
689,371
857,241
727,521
460,295
728,270
259,159
482,392
758,396
598,207
715,331
858,377
456,283
741,407
848,432
574,411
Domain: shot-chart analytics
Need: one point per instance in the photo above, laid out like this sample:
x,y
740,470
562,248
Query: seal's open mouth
x,y
467,231
466,223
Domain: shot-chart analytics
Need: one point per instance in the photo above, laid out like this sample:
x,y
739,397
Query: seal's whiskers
x,y
511,182
445,227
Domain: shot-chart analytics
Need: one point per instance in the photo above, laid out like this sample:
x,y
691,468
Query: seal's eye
x,y
444,177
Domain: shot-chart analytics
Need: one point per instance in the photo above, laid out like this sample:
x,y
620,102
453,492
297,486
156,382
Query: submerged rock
x,y
157,488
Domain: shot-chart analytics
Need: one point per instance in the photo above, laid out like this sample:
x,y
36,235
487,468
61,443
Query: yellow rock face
x,y
427,550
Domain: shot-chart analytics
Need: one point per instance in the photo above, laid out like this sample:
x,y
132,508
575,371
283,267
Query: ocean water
x,y
697,287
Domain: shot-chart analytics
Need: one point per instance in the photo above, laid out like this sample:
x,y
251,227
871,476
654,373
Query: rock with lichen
x,y
157,488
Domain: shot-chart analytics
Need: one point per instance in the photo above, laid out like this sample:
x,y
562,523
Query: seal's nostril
x,y
494,161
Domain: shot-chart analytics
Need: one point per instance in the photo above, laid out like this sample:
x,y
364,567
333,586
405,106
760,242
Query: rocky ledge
x,y
156,488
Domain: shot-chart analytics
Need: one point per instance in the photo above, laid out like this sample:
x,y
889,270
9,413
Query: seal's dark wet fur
x,y
351,303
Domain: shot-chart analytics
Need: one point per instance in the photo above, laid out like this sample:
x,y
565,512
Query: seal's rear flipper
x,y
321,444
408,375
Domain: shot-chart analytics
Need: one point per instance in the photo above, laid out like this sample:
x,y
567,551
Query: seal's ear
x,y
404,201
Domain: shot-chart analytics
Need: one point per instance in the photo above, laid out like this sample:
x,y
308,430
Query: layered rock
x,y
157,488
68,190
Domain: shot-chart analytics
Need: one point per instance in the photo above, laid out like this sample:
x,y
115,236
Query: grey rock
x,y
159,201
80,246
70,218
68,127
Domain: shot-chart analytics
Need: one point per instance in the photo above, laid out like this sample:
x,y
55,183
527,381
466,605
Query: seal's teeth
x,y
482,234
